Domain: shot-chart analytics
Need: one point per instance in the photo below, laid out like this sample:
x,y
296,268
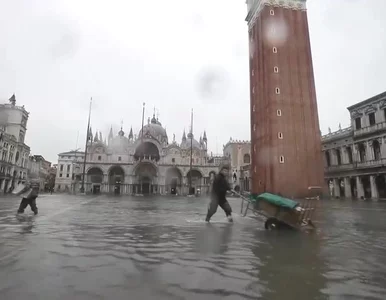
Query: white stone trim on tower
x,y
258,6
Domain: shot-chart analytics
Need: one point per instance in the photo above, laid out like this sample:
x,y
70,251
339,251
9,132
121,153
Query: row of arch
x,y
376,148
116,174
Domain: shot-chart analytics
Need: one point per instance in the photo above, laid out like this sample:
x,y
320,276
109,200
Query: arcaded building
x,y
285,134
355,157
145,163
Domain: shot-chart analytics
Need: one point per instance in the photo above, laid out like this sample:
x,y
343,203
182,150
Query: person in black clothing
x,y
29,195
218,196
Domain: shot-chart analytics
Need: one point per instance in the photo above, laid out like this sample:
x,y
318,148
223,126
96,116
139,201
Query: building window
x,y
254,127
247,158
277,91
253,90
253,107
274,49
254,148
254,169
61,167
272,12
372,119
119,158
281,159
278,113
68,175
99,157
276,69
358,123
60,175
173,160
253,72
68,168
384,114
280,135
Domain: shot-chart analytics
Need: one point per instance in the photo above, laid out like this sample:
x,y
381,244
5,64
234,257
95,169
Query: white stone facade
x,y
142,164
239,153
355,157
14,153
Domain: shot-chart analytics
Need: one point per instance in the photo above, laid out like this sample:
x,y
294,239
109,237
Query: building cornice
x,y
257,7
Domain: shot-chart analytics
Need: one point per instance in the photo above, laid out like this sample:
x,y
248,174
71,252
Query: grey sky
x,y
56,54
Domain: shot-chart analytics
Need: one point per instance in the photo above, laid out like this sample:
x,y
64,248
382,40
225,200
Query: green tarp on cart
x,y
275,200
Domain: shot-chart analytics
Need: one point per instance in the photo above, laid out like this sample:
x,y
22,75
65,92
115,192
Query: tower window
x,y
254,127
276,69
254,169
274,49
253,107
253,90
253,72
281,159
278,113
277,90
254,148
280,135
272,12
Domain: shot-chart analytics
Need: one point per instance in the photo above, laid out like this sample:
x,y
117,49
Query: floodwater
x,y
160,248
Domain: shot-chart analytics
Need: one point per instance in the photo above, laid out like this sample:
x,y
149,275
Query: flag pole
x,y
191,152
82,190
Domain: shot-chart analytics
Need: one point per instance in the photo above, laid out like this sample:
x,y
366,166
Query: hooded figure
x,y
218,196
29,195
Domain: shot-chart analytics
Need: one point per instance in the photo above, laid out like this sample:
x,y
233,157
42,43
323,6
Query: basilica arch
x,y
95,175
116,175
197,179
173,181
147,150
145,181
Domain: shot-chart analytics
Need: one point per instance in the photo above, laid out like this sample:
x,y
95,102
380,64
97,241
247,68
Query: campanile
x,y
285,135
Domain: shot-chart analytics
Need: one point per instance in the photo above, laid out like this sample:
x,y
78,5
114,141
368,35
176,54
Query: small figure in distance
x,y
218,195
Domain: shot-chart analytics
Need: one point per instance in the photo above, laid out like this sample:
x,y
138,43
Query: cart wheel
x,y
272,224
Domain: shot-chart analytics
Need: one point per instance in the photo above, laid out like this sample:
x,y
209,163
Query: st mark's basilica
x,y
148,163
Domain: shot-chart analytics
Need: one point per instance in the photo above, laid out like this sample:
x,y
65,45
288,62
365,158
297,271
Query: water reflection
x,y
291,266
161,248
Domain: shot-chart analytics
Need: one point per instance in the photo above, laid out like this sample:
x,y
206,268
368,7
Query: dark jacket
x,y
220,186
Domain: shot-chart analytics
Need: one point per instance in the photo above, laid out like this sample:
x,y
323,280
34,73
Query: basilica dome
x,y
187,142
155,129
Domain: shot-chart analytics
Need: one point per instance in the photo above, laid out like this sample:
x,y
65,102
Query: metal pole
x,y
85,151
191,152
143,117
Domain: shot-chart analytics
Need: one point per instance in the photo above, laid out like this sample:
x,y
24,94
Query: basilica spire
x,y
131,133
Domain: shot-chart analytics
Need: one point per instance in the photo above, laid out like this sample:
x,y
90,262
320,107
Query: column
x,y
336,188
374,189
383,147
347,187
2,186
369,151
360,191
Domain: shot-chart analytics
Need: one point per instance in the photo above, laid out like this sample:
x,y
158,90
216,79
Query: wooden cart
x,y
281,212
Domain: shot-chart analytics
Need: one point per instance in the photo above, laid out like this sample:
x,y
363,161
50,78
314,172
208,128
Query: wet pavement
x,y
160,248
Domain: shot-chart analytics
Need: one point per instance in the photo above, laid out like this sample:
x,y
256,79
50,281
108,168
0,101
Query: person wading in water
x,y
218,196
29,195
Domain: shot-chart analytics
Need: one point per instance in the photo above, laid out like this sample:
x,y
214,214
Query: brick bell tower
x,y
285,135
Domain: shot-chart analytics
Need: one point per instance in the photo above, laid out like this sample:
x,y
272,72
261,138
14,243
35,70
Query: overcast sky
x,y
174,55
